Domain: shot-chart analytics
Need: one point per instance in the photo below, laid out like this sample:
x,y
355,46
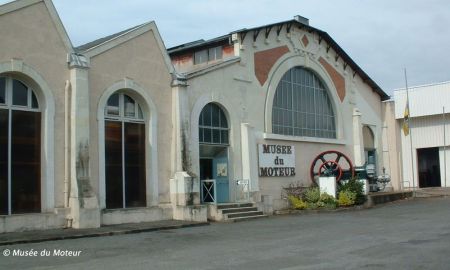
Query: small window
x,y
200,57
208,55
2,90
120,105
213,125
215,53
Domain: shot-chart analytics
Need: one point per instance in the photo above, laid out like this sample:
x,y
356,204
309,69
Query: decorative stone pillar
x,y
250,160
358,143
184,187
83,202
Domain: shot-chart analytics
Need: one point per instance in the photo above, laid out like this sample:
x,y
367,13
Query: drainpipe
x,y
66,143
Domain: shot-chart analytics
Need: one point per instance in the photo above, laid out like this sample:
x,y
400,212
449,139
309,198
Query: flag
x,y
405,126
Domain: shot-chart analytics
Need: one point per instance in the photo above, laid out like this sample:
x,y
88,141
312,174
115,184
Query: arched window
x,y
124,153
301,106
213,125
20,148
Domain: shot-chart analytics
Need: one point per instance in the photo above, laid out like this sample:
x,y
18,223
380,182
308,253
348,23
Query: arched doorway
x,y
369,146
124,153
213,149
20,148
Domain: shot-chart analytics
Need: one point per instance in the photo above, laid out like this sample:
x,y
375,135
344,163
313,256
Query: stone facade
x,y
172,87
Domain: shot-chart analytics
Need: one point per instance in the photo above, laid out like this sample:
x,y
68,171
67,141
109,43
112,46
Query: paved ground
x,y
406,235
59,234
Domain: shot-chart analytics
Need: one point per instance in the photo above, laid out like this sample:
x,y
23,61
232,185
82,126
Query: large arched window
x,y
20,148
301,106
213,125
124,153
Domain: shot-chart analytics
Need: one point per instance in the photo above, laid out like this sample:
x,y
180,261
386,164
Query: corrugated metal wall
x,y
426,132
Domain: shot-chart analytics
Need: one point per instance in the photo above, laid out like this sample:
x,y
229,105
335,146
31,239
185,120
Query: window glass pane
x,y
4,115
20,94
112,107
113,164
216,136
140,114
200,57
129,106
34,102
2,90
215,53
200,135
134,165
25,162
207,135
215,116
224,136
207,115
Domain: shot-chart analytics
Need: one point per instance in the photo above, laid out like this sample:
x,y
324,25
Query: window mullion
x,y
9,160
123,165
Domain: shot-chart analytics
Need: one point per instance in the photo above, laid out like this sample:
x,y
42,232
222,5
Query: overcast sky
x,y
382,36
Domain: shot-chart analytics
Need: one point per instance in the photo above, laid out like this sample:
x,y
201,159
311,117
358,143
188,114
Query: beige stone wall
x,y
246,93
141,60
30,34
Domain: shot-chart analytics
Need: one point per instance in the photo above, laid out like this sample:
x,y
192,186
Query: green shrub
x,y
297,203
328,201
311,206
356,187
331,205
346,198
312,195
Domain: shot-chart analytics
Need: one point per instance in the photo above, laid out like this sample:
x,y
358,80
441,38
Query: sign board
x,y
276,160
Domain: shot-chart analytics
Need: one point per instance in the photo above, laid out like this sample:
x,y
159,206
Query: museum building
x,y
123,130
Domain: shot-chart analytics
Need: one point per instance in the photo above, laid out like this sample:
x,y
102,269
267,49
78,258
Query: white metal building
x,y
429,107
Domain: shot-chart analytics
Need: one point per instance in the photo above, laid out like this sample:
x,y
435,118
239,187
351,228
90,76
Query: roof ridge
x,y
97,42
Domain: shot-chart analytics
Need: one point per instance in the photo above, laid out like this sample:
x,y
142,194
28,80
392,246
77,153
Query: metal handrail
x,y
208,191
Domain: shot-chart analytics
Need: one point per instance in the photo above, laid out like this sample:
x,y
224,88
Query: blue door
x,y
220,173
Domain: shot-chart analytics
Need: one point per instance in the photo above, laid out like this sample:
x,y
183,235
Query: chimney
x,y
301,19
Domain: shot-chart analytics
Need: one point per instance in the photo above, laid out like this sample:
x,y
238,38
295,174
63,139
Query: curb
x,y
100,234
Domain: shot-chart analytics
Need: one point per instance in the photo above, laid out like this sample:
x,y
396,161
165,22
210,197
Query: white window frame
x,y
121,118
8,105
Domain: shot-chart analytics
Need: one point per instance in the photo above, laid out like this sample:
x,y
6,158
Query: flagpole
x,y
410,134
445,153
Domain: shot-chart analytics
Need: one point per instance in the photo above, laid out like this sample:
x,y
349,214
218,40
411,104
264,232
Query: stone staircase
x,y
234,212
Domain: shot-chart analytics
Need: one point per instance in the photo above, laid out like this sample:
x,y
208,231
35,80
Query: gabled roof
x,y
19,4
101,45
97,42
301,23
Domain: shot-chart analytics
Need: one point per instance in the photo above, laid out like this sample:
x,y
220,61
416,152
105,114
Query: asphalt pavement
x,y
412,234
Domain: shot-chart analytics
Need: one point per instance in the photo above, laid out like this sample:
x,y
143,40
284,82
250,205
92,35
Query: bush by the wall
x,y
346,198
328,201
355,186
297,203
312,195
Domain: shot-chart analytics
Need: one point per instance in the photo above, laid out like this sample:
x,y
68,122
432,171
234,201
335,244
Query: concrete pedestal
x,y
328,185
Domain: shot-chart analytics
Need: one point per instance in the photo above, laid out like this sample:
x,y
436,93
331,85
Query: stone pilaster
x,y
358,144
85,212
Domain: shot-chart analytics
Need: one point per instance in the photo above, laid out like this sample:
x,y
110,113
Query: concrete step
x,y
238,210
245,214
239,219
233,205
